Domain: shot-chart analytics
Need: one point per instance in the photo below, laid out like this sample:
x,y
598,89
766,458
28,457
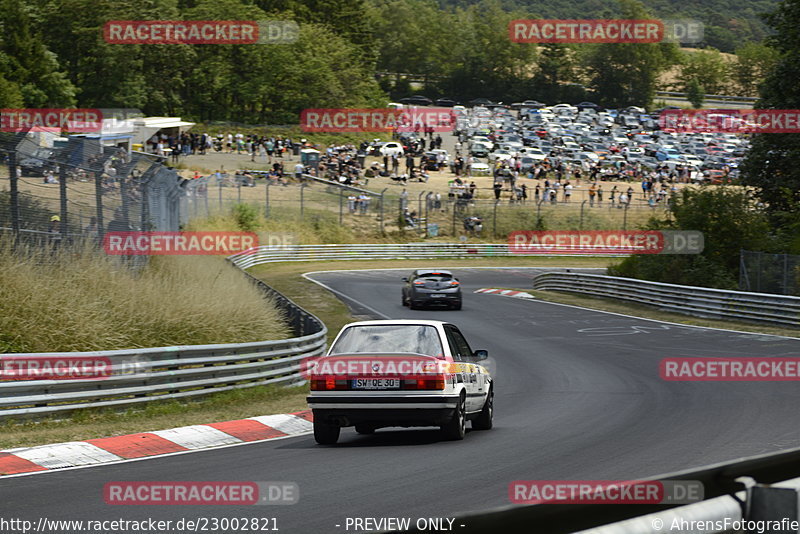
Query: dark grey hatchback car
x,y
430,287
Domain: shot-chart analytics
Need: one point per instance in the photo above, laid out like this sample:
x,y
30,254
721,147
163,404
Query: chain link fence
x,y
78,189
761,272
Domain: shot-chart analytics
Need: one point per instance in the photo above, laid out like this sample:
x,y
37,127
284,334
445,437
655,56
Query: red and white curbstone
x,y
186,438
506,293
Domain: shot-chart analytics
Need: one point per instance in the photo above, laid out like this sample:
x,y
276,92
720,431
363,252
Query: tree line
x,y
52,54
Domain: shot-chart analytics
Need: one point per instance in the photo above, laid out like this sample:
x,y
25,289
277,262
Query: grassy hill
x,y
728,23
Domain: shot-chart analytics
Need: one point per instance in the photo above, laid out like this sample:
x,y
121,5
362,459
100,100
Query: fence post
x,y
219,190
302,189
239,192
341,205
419,203
494,219
266,206
205,198
98,198
580,224
12,174
62,186
538,213
758,272
786,275
427,210
625,216
454,220
382,192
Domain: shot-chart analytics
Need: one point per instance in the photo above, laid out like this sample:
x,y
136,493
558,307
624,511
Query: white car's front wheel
x,y
484,420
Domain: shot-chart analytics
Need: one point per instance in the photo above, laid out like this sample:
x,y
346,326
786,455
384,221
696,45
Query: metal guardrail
x,y
371,251
711,99
690,300
737,489
151,374
381,251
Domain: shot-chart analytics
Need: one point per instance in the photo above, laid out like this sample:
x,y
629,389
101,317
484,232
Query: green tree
x,y
30,70
483,63
695,93
752,64
624,74
708,68
771,165
729,221
557,63
413,36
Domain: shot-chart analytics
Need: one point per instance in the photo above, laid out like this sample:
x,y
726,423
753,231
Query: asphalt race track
x,y
578,396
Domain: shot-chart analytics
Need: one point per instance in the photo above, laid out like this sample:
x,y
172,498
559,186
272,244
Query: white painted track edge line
x,y
574,306
351,299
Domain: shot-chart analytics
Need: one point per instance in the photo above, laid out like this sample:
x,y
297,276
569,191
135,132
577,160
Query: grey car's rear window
x,y
420,339
439,277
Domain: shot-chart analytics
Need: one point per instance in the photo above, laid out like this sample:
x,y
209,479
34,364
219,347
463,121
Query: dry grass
x,y
87,301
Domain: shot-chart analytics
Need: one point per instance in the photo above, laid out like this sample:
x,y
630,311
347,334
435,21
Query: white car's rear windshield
x,y
420,339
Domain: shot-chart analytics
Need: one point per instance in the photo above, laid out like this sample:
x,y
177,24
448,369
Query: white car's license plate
x,y
376,383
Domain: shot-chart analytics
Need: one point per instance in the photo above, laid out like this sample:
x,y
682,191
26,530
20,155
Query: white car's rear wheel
x,y
456,429
326,434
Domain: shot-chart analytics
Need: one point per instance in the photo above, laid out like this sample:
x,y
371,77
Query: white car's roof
x,y
420,322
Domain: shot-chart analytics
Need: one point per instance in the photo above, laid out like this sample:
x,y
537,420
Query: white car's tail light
x,y
434,382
